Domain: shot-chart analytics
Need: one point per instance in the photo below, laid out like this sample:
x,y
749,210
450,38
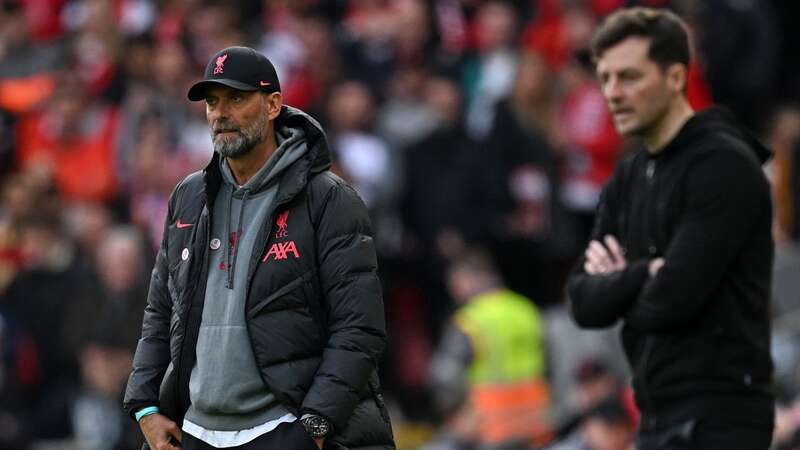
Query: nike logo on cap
x,y
180,224
264,83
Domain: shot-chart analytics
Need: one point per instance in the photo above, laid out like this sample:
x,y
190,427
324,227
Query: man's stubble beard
x,y
242,144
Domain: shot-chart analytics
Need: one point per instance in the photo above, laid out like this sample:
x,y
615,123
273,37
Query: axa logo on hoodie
x,y
281,250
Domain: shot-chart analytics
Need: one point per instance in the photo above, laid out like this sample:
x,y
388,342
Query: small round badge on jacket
x,y
215,243
185,254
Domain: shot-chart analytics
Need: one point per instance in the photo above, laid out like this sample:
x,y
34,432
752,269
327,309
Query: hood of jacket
x,y
716,119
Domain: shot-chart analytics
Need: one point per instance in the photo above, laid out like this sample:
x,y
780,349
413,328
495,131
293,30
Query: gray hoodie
x,y
225,388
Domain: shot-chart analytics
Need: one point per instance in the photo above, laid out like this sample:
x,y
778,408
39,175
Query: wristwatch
x,y
316,426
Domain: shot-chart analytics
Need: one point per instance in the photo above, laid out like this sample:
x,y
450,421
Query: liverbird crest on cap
x,y
220,62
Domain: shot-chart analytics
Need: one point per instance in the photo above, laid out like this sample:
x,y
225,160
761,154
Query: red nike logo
x,y
179,224
264,83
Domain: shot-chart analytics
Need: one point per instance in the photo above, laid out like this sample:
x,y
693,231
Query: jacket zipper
x,y
190,299
652,201
650,173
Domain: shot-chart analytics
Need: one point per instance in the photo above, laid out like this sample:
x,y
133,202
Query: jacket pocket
x,y
377,396
681,359
284,297
167,393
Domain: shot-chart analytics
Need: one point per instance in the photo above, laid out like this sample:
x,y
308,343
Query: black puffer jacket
x,y
314,307
697,334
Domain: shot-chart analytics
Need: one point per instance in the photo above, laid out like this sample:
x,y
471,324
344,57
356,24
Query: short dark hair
x,y
669,38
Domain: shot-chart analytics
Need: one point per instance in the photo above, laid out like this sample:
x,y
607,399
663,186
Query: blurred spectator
x,y
489,74
156,80
362,156
560,29
73,138
487,374
405,118
521,183
595,382
437,196
22,195
304,54
592,145
607,425
740,62
86,415
208,27
95,46
121,290
787,427
97,421
153,174
52,279
26,67
377,37
569,348
783,138
87,223
18,370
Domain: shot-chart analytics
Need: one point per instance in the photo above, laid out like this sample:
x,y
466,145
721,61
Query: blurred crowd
x,y
473,129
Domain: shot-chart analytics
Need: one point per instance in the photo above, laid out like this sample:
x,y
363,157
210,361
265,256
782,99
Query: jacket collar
x,y
716,119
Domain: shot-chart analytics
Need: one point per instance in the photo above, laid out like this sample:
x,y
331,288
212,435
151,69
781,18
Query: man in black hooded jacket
x,y
264,320
682,249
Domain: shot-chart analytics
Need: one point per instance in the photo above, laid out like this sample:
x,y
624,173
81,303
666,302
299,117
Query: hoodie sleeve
x,y
600,300
727,197
354,306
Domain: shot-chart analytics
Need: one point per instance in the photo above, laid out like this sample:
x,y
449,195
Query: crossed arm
x,y
726,194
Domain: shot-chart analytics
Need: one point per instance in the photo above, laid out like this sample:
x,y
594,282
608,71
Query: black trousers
x,y
700,435
287,436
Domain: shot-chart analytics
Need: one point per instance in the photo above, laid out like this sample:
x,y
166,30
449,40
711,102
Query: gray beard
x,y
241,144
238,146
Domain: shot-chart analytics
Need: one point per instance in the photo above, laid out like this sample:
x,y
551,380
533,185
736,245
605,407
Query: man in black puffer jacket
x,y
264,320
682,248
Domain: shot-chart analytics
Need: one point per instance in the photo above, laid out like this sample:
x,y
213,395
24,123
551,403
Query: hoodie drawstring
x,y
233,239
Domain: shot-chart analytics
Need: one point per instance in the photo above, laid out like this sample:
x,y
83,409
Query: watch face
x,y
316,426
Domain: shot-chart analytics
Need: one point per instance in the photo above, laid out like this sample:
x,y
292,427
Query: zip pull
x,y
651,169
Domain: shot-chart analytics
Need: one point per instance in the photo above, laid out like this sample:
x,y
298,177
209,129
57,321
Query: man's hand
x,y
320,442
160,432
604,259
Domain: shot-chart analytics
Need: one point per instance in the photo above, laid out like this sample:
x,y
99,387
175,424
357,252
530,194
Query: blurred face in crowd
x,y
533,79
119,261
462,285
496,23
639,92
444,98
170,66
239,120
351,106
